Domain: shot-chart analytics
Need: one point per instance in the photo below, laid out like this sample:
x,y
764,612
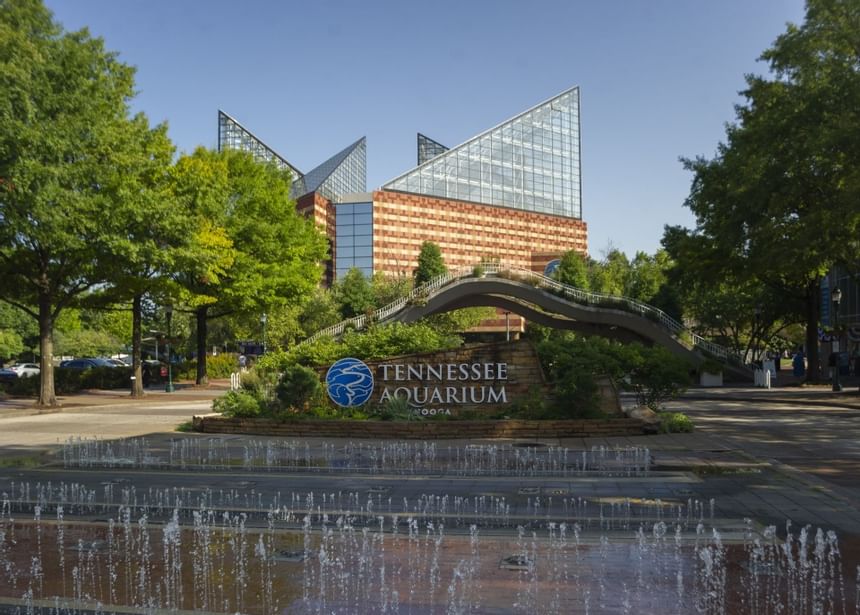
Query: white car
x,y
25,370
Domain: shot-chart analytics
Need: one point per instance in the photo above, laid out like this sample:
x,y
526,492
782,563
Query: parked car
x,y
88,363
26,370
7,374
116,362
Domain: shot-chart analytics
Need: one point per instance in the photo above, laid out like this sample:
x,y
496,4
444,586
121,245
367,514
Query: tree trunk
x,y
137,369
201,344
47,395
813,300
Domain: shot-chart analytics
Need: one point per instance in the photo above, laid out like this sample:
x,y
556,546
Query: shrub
x,y
675,422
394,409
238,404
573,363
298,386
218,366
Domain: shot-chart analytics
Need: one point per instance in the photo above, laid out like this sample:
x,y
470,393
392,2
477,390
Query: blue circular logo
x,y
551,267
349,382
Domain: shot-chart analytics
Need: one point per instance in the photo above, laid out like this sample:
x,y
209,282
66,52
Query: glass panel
x,y
525,162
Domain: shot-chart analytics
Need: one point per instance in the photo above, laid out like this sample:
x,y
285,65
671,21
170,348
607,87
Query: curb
x,y
850,405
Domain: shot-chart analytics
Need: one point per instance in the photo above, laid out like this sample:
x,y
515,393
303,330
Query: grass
x,y
186,427
27,461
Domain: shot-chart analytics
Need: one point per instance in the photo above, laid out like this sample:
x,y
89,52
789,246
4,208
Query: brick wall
x,y
466,232
424,430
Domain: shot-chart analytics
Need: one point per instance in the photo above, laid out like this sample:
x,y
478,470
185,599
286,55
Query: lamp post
x,y
837,299
507,326
263,320
168,312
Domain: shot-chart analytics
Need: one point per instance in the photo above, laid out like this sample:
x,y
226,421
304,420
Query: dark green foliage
x,y
574,364
354,294
218,366
395,409
299,385
238,404
573,270
430,263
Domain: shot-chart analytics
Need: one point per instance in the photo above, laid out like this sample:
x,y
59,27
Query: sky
x,y
658,80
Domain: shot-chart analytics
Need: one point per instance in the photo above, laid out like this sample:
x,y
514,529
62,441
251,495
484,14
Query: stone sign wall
x,y
480,377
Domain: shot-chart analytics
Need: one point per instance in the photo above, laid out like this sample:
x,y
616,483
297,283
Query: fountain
x,y
226,526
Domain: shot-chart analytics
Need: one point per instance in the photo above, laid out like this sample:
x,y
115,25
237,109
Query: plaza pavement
x,y
767,454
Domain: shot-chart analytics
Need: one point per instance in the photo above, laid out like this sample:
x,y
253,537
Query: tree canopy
x,y
777,206
69,157
269,254
430,263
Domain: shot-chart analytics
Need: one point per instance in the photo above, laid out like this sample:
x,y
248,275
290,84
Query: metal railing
x,y
538,280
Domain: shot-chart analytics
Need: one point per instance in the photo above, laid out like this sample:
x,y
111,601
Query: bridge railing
x,y
577,295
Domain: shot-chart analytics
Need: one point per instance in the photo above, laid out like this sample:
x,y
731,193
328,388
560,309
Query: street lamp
x,y
263,320
168,312
837,299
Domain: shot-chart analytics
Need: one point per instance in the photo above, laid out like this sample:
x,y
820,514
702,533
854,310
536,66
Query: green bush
x,y
394,409
298,386
675,422
218,366
574,363
239,404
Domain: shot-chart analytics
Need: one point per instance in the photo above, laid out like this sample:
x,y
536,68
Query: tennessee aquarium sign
x,y
429,388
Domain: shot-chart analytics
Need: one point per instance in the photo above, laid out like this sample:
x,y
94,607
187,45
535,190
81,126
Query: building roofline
x,y
258,139
482,133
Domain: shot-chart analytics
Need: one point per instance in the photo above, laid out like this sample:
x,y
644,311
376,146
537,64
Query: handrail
x,y
583,297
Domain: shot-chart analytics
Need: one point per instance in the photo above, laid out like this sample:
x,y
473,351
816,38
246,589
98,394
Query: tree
x,y
430,263
64,125
354,294
611,275
271,254
573,270
157,236
777,205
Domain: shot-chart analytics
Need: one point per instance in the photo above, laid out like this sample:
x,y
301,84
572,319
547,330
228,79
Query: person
x,y
243,362
799,368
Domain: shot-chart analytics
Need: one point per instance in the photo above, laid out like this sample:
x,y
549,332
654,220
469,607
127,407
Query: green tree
x,y
430,263
777,205
65,139
611,275
354,294
271,255
573,270
18,332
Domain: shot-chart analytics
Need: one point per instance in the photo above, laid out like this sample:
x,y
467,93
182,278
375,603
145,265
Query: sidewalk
x,y
98,398
809,395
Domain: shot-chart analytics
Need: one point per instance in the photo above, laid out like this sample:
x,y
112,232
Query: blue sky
x,y
658,80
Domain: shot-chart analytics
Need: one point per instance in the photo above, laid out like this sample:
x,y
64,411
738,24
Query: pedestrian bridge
x,y
547,302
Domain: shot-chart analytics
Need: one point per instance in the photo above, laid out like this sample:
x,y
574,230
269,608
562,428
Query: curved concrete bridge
x,y
548,302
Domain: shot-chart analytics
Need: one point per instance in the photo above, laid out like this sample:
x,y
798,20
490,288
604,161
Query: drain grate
x,y
529,490
516,562
291,556
379,489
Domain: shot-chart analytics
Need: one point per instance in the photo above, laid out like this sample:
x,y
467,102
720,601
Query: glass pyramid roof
x,y
530,162
231,134
428,149
343,173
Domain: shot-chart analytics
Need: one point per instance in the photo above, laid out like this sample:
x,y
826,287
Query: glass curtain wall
x,y
428,149
354,243
530,162
343,173
232,135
